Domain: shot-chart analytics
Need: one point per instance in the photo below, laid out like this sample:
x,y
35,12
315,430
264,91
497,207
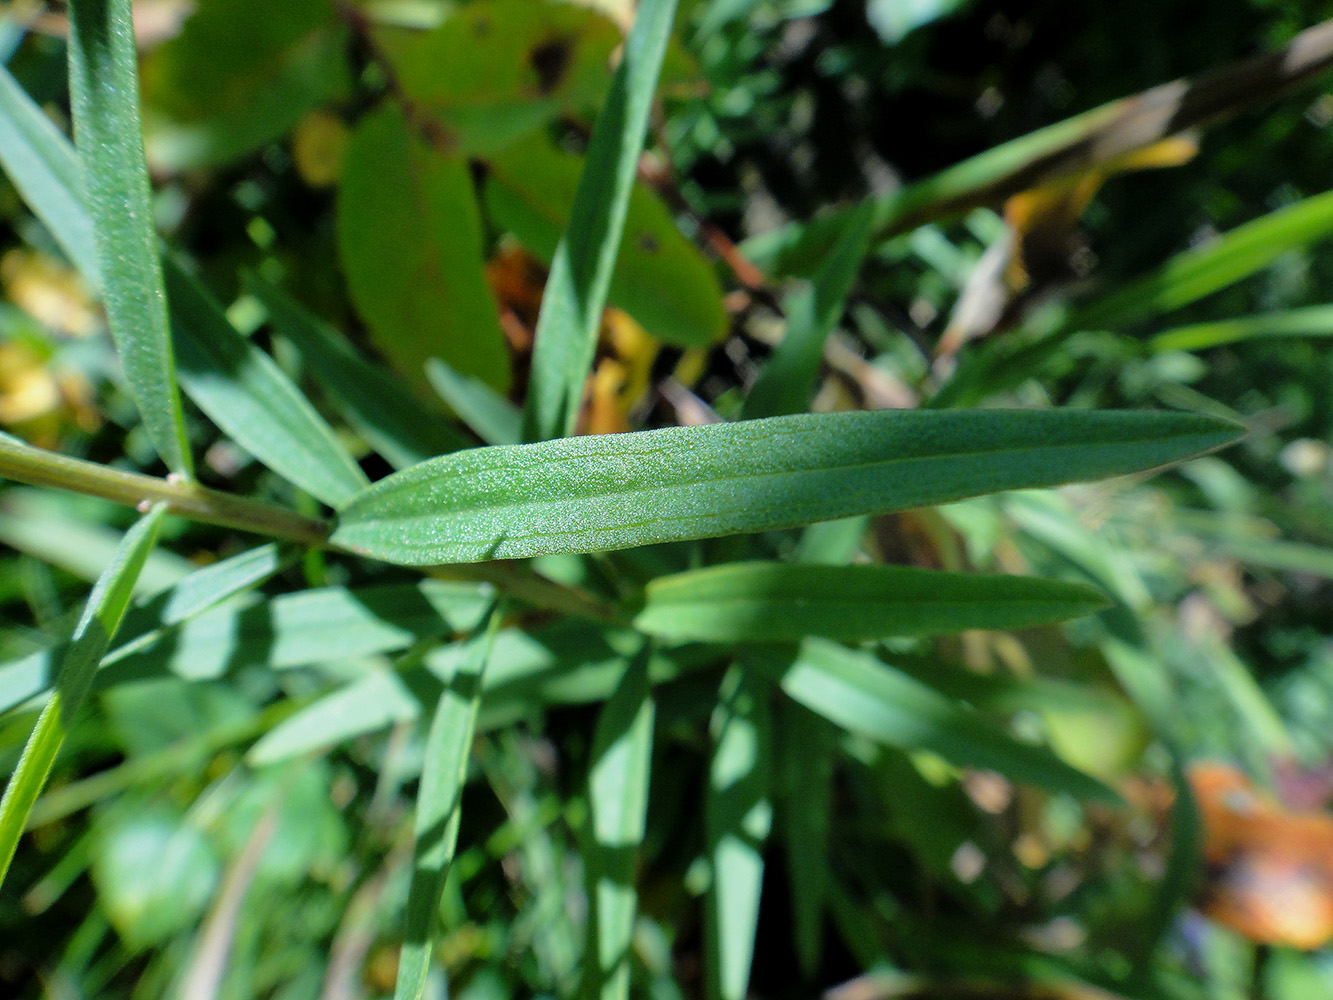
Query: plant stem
x,y
37,467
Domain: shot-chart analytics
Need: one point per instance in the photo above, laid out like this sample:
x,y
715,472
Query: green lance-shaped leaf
x,y
581,270
40,163
94,632
660,278
775,602
230,379
439,809
397,425
864,695
591,494
618,798
1312,321
1189,276
410,241
104,90
492,417
1184,279
286,631
806,747
788,379
738,815
246,394
1091,139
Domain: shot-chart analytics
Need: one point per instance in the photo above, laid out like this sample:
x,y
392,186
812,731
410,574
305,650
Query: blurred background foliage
x,y
170,839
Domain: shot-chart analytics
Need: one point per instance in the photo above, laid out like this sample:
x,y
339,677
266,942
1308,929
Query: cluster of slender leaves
x,y
693,587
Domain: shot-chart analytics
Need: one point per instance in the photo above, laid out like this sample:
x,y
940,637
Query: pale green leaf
x,y
249,397
286,631
492,417
439,809
96,628
618,798
738,814
591,494
1312,321
104,89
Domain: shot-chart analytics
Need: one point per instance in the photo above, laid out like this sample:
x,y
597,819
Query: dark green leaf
x,y
410,241
232,82
776,602
394,422
869,697
788,379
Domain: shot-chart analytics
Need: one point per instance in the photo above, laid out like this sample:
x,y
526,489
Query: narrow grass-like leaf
x,y
492,417
606,492
287,631
581,270
94,632
394,423
246,394
564,662
1313,321
1094,138
738,815
104,95
806,748
39,162
867,696
777,602
439,802
230,379
618,798
1189,276
788,379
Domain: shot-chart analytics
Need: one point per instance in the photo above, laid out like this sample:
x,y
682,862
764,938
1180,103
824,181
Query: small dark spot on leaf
x,y
481,27
551,61
647,242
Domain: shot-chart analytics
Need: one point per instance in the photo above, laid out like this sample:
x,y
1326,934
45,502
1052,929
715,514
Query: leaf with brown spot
x,y
499,69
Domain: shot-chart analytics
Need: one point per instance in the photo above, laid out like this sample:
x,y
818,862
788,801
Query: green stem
x,y
37,467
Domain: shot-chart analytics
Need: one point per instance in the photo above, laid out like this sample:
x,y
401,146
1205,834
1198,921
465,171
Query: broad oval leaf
x,y
497,69
776,602
607,492
231,82
410,241
660,278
